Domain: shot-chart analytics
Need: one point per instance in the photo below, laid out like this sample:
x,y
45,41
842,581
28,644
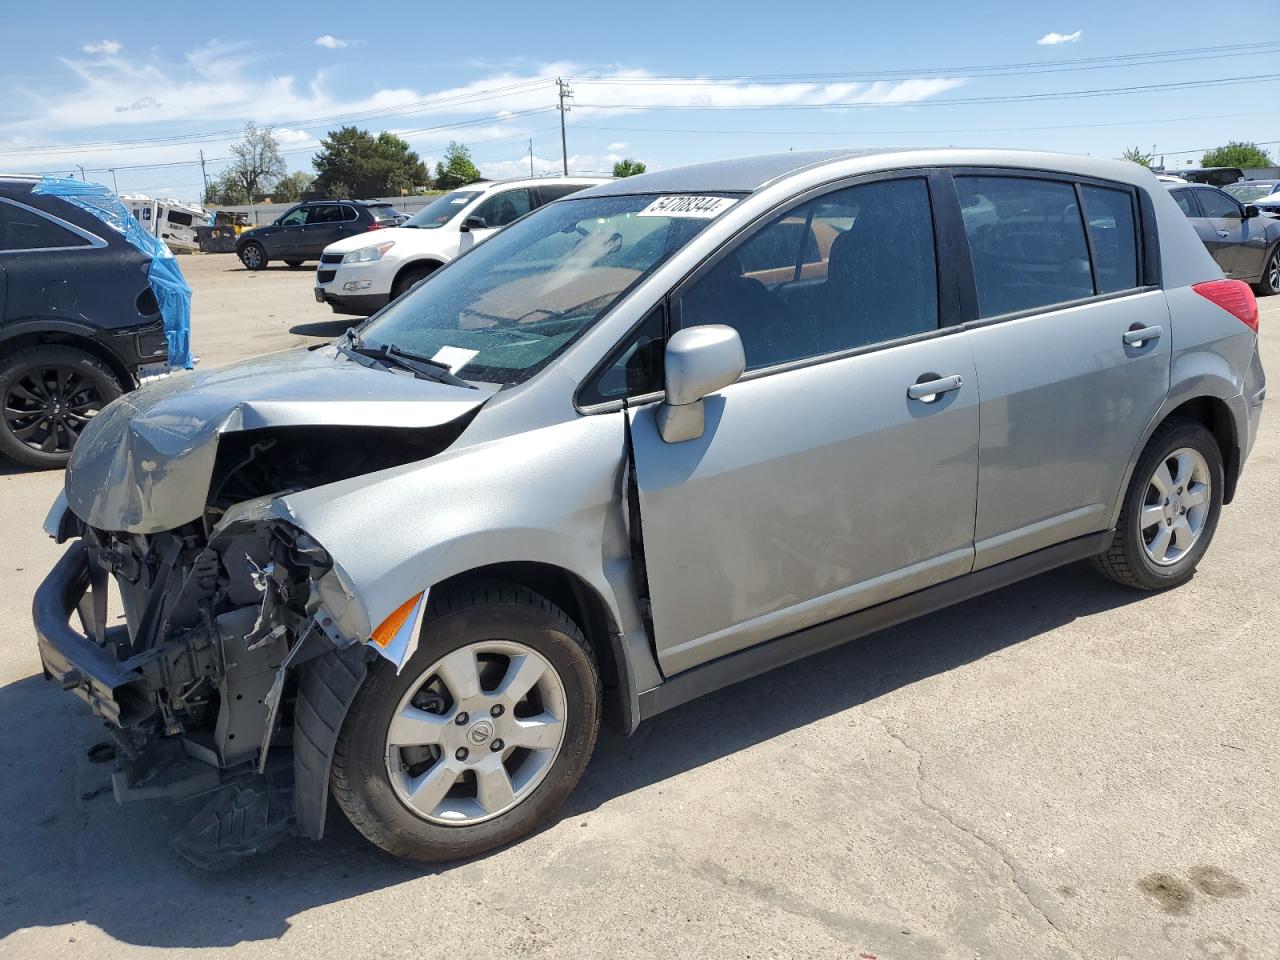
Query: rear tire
x,y
47,396
293,263
1269,285
447,785
405,282
253,256
1170,510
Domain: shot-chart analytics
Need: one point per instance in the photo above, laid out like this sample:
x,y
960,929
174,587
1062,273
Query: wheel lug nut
x,y
461,719
495,710
461,754
496,746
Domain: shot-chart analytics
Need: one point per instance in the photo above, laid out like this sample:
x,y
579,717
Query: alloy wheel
x,y
1176,506
1273,271
477,733
47,407
252,257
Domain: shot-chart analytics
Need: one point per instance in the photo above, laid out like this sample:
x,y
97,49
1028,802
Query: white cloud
x,y
1052,39
142,103
617,147
108,47
332,42
518,166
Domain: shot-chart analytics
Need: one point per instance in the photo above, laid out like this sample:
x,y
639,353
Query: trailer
x,y
173,221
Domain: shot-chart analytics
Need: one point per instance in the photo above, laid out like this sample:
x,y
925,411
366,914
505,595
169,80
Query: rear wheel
x,y
1171,509
482,735
253,256
411,276
1270,283
47,396
293,263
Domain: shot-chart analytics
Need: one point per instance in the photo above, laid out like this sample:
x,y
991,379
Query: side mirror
x,y
473,223
698,361
1250,211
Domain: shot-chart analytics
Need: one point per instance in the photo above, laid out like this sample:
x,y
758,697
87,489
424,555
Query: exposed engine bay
x,y
224,619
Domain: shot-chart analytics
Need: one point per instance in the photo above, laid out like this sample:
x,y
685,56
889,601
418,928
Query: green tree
x,y
1237,153
628,168
292,187
1138,155
456,168
226,190
258,165
366,166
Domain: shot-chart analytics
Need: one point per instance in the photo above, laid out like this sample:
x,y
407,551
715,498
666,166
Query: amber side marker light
x,y
389,627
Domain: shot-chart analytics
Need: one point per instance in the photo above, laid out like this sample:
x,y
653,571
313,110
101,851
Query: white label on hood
x,y
698,208
454,357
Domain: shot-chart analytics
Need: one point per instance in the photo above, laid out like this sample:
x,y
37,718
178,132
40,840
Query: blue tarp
x,y
171,290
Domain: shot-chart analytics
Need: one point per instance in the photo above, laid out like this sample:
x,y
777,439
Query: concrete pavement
x,y
1059,769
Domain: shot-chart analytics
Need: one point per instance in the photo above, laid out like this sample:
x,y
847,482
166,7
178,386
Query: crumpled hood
x,y
144,463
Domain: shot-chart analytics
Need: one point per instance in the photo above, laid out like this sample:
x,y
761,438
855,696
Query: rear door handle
x,y
1137,336
930,390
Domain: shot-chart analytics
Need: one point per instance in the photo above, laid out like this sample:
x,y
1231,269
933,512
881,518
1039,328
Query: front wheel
x,y
253,256
1170,511
293,263
482,735
1270,284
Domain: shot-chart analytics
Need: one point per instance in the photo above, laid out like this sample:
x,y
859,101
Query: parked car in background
x,y
360,275
79,323
1245,244
1214,176
656,438
302,232
1251,191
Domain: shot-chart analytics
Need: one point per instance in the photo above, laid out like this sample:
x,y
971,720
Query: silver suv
x,y
657,437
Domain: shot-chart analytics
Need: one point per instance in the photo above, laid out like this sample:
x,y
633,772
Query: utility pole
x,y
113,180
531,156
565,93
205,176
82,176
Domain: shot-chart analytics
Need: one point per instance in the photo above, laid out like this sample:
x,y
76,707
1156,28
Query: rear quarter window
x,y
25,229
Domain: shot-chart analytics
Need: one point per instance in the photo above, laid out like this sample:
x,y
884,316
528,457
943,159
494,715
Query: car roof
x,y
749,174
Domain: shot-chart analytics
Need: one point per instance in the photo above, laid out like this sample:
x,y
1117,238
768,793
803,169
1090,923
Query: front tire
x,y
482,735
48,394
412,276
1270,284
253,256
1170,510
293,263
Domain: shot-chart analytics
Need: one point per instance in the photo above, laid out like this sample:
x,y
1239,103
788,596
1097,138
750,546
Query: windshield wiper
x,y
392,355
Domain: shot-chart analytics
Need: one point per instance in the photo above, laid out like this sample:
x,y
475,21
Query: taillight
x,y
1233,296
373,226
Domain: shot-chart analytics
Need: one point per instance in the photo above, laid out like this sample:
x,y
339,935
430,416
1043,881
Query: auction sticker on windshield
x,y
698,208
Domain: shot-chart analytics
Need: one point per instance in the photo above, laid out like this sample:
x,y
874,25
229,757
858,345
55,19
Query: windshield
x,y
441,210
507,308
1249,192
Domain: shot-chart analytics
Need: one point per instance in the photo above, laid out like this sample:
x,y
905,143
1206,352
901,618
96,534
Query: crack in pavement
x,y
1020,880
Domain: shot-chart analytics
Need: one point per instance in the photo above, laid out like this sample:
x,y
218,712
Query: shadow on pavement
x,y
67,858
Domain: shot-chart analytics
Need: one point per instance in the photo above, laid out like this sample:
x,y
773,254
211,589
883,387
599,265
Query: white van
x,y
359,275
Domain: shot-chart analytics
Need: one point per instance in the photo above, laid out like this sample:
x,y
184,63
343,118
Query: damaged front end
x,y
240,646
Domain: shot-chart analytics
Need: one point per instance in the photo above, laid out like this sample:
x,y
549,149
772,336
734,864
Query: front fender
x,y
551,495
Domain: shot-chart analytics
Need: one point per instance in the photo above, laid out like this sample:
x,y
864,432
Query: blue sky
x,y
78,94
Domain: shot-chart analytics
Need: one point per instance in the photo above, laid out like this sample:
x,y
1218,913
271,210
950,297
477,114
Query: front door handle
x,y
929,390
1137,336
1224,234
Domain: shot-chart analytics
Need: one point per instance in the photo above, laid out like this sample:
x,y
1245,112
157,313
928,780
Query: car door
x,y
283,238
1242,239
825,480
1072,350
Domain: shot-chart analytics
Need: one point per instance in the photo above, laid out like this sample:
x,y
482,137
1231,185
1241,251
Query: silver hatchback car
x,y
654,438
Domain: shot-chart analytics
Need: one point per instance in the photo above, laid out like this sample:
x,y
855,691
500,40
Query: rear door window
x,y
1026,242
1113,233
24,229
554,191
326,213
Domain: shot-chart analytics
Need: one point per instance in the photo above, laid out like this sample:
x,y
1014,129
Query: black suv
x,y
304,231
78,319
